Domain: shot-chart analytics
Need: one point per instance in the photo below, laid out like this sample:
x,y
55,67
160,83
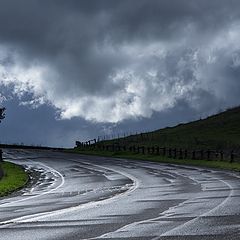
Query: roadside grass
x,y
225,165
217,132
14,178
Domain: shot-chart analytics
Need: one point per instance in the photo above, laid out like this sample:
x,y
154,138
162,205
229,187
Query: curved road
x,y
84,197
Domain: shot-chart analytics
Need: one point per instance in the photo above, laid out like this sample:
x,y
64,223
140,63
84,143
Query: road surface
x,y
85,197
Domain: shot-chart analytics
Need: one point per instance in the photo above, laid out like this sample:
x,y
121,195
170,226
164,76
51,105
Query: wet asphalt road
x,y
86,197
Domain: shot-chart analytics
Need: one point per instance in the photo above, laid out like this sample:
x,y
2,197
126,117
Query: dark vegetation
x,y
21,146
218,132
161,159
2,116
214,141
2,113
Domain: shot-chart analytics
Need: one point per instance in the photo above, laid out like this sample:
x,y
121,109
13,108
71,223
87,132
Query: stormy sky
x,y
76,69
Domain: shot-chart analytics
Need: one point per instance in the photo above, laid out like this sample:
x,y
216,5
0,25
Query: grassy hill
x,y
211,142
219,132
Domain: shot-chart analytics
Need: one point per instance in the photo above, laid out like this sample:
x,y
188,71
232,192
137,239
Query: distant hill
x,y
220,132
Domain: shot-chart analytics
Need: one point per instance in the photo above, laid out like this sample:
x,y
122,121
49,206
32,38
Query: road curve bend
x,y
73,196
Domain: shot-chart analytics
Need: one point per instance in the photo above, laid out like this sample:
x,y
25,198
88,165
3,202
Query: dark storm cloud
x,y
107,61
52,26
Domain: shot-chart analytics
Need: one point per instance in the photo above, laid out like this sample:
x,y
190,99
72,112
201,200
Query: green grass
x,y
235,166
218,132
14,178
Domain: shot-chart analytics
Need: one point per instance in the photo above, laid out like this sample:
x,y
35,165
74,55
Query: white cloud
x,y
156,76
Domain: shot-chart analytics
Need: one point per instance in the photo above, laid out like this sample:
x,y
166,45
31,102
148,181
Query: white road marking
x,y
37,216
178,227
147,220
171,232
55,172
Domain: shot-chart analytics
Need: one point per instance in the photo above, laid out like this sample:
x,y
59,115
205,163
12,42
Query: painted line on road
x,y
38,216
158,218
146,220
54,171
172,232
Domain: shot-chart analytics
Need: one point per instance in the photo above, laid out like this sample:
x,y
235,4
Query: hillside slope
x,y
221,131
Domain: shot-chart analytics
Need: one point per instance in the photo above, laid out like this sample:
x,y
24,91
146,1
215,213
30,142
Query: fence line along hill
x,y
220,132
216,137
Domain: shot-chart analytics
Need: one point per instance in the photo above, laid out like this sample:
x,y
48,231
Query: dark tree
x,y
2,114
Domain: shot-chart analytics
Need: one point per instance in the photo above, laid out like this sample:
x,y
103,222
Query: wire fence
x,y
175,153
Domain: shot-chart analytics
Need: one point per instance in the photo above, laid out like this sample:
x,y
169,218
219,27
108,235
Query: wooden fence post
x,y
134,148
174,153
208,154
153,150
194,155
180,154
157,150
170,152
185,154
148,150
1,157
164,151
138,149
221,155
232,157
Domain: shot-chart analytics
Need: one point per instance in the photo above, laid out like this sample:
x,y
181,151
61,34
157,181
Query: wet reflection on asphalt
x,y
85,197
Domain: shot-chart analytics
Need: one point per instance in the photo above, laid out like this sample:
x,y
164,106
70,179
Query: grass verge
x,y
14,178
225,165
